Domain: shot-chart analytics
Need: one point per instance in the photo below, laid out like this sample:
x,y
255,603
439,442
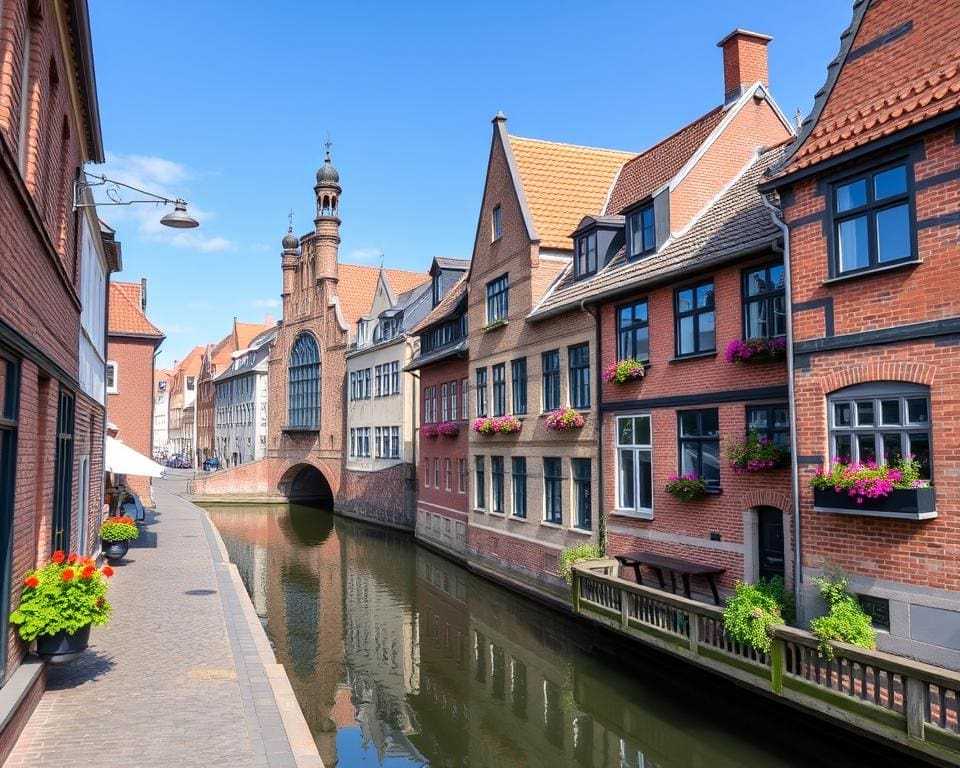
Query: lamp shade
x,y
179,218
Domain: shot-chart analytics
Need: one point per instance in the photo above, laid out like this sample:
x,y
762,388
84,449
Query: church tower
x,y
288,262
327,222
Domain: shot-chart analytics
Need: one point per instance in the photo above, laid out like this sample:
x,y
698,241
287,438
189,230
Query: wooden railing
x,y
913,705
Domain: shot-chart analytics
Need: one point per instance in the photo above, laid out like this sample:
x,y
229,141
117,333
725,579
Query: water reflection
x,y
401,658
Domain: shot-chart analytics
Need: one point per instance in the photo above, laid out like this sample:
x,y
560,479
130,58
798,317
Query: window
x,y
764,305
518,381
112,383
873,220
481,484
497,232
770,422
427,416
378,450
426,472
191,383
497,300
63,473
395,442
443,402
881,422
633,334
395,378
462,475
519,477
695,320
453,401
304,383
366,383
353,441
496,484
433,402
378,389
700,444
878,609
437,289
465,405
481,392
634,465
586,261
551,379
436,473
582,515
578,358
447,474
552,491
365,442
499,390
641,232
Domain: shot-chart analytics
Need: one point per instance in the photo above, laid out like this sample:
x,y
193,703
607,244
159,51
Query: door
x,y
770,542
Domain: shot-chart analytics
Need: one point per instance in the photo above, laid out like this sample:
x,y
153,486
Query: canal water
x,y
401,658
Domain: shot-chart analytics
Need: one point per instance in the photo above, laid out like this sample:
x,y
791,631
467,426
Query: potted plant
x,y
59,604
754,609
756,350
893,489
755,454
448,429
497,425
116,533
624,371
563,419
686,487
429,431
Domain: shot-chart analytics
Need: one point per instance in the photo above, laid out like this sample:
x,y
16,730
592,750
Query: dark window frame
x,y
498,299
481,390
582,493
499,389
766,298
699,440
518,479
497,483
583,264
696,313
518,385
550,377
646,248
9,416
578,375
553,491
771,431
629,331
480,492
62,522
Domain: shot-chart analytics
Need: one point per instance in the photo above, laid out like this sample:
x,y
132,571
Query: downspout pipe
x,y
792,402
601,509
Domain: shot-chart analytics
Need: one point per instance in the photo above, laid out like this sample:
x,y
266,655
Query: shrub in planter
x,y
118,529
65,596
624,371
754,608
755,454
429,431
563,419
868,480
756,350
686,487
576,554
448,429
497,425
846,622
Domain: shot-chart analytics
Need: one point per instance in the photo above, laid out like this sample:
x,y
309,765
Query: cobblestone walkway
x,y
177,678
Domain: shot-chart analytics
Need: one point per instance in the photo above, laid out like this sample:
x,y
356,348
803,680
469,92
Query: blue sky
x,y
227,104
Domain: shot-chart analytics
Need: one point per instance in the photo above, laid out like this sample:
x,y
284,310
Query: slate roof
x,y
654,167
126,313
898,65
358,283
448,262
250,360
736,223
561,182
445,308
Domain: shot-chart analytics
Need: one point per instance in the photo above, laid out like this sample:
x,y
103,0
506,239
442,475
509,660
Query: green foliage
x,y
118,529
846,622
686,487
755,454
62,596
754,609
576,554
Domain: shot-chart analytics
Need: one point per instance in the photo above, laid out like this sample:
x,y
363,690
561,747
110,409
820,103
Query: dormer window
x,y
586,260
641,232
437,289
361,332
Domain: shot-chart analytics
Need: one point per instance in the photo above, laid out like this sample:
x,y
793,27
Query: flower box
x,y
448,429
902,503
624,372
756,350
430,431
564,419
687,487
497,425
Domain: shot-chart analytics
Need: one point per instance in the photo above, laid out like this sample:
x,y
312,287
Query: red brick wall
x,y
131,408
385,496
440,500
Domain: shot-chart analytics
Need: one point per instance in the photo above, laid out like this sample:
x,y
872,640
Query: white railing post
x,y
693,622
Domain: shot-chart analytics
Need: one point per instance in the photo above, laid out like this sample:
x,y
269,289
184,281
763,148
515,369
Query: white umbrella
x,y
123,460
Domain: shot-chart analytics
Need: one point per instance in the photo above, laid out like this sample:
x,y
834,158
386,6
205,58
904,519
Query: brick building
x,y
55,266
444,476
132,342
531,491
181,424
681,261
870,194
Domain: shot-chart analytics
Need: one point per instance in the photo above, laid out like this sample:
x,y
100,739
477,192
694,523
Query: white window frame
x,y
636,448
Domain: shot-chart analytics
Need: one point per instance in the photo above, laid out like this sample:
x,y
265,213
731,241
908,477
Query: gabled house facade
x,y
870,194
181,427
531,490
681,262
443,412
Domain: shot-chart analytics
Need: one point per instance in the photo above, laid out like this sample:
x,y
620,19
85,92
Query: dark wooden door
x,y
770,542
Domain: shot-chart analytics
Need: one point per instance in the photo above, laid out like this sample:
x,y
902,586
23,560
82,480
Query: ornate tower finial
x,y
290,219
328,143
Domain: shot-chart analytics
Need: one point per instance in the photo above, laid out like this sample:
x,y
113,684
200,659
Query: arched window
x,y
304,383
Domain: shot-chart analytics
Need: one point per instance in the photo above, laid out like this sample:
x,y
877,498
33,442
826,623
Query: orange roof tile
x,y
654,167
126,314
562,182
358,283
899,65
247,332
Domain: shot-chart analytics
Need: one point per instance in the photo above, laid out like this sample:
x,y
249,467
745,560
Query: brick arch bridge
x,y
290,479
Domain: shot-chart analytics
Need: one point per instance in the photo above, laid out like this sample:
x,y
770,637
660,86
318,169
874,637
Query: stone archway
x,y
305,483
763,504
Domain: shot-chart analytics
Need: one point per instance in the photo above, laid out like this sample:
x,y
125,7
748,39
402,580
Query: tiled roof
x,y
446,306
898,65
125,312
190,365
735,223
247,332
358,283
562,182
653,168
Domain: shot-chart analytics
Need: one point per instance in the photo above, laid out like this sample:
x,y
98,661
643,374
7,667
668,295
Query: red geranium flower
x,y
67,574
59,557
87,572
107,571
73,558
32,581
99,601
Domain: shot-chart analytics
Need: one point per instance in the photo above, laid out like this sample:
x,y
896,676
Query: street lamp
x,y
178,218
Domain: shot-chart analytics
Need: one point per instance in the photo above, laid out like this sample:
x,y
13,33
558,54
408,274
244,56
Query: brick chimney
x,y
744,62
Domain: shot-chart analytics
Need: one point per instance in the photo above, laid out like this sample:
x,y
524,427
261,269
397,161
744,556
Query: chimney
x,y
268,320
143,294
744,62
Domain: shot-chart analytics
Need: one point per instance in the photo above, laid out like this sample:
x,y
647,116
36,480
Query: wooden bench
x,y
660,563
